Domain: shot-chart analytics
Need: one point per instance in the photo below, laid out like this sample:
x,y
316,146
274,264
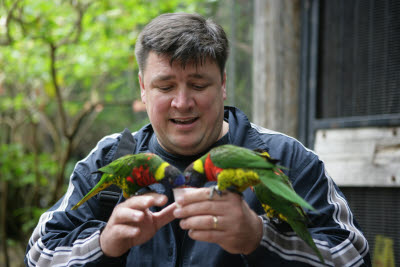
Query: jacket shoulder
x,y
100,155
290,152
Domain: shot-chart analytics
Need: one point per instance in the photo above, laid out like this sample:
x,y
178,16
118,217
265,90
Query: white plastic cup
x,y
182,190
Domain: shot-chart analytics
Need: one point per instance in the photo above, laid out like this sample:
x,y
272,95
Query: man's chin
x,y
186,148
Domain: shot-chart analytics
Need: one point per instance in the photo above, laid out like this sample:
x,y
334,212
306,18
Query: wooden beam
x,y
276,54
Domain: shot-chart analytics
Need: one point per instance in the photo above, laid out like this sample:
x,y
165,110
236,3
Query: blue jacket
x,y
71,238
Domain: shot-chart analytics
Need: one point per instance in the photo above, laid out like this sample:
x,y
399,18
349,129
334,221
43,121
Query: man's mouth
x,y
184,121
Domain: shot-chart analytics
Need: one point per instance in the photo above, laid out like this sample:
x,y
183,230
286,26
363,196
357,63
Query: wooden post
x,y
276,56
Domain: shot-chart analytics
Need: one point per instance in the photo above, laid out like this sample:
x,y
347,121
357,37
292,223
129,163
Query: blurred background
x,y
324,72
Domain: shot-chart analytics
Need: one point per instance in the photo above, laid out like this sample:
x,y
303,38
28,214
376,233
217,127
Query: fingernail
x,y
177,212
160,200
179,202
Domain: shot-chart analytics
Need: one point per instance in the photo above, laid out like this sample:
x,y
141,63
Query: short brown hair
x,y
185,38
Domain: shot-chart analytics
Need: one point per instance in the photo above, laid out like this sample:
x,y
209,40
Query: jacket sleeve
x,y
333,227
64,237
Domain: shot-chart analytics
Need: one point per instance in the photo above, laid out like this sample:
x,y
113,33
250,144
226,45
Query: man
x,y
182,79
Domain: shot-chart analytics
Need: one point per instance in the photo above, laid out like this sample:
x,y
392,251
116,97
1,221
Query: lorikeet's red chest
x,y
211,170
142,176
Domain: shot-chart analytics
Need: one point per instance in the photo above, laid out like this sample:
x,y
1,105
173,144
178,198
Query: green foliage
x,y
16,103
9,165
24,179
20,169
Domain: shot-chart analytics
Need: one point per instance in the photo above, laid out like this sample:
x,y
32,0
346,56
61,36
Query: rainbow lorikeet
x,y
133,172
236,168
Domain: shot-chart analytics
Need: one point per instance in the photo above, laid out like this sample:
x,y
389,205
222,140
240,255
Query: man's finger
x,y
213,236
125,215
199,194
164,216
206,207
145,201
205,222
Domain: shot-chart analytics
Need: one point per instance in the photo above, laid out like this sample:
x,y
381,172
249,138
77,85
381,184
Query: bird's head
x,y
195,175
172,177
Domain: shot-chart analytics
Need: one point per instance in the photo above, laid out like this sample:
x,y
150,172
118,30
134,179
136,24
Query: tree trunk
x,y
3,222
58,192
276,56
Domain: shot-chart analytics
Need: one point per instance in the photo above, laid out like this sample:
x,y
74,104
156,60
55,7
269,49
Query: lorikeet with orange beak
x,y
236,168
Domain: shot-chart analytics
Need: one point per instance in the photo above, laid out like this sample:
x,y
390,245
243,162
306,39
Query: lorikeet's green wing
x,y
231,156
290,212
279,187
120,166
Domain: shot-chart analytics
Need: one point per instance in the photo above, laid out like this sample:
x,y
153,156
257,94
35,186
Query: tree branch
x,y
8,121
68,133
84,128
76,124
51,128
59,98
3,227
77,30
9,39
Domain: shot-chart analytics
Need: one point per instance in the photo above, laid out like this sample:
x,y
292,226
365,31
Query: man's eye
x,y
199,86
164,88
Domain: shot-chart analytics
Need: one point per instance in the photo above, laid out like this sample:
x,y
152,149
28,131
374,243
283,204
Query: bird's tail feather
x,y
302,231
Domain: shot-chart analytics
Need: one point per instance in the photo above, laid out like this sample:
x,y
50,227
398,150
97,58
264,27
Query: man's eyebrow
x,y
198,76
162,78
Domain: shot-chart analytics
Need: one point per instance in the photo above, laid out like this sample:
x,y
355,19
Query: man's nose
x,y
183,99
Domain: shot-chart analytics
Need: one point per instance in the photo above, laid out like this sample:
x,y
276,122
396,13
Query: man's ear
x,y
223,86
142,90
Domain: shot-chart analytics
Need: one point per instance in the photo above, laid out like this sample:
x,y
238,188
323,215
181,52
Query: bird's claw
x,y
143,191
214,189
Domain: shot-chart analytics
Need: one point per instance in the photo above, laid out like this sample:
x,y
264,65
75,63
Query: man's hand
x,y
236,228
132,223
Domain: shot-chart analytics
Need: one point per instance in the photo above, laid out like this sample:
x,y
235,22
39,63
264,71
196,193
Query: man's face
x,y
185,106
